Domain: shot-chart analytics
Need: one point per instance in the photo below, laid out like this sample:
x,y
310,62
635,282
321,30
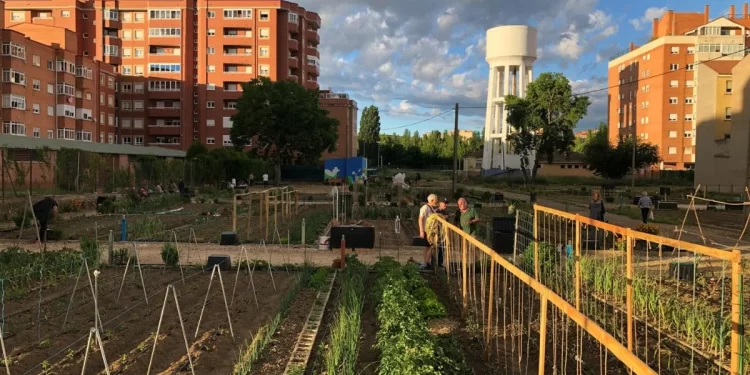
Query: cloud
x,y
648,17
595,89
416,61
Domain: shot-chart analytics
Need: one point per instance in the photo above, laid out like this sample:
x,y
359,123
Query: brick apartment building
x,y
178,65
653,90
49,91
341,107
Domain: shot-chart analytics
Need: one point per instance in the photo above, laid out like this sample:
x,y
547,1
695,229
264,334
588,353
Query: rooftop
x,y
12,141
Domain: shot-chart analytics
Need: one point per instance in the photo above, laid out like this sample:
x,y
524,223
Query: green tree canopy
x,y
544,120
616,161
369,125
197,148
285,120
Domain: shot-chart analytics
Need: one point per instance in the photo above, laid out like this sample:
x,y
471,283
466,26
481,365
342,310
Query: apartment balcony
x,y
312,35
293,62
156,111
313,70
170,95
113,60
312,51
112,23
113,40
313,18
165,144
293,45
312,84
166,130
43,20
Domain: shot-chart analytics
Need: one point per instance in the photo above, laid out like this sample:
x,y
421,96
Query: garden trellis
x,y
285,197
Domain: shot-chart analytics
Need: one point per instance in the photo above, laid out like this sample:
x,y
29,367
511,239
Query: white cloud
x,y
648,17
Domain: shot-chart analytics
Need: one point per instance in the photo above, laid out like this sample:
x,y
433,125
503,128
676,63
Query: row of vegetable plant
x,y
699,322
404,305
341,350
253,350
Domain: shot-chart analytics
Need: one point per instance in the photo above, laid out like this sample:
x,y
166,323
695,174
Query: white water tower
x,y
511,52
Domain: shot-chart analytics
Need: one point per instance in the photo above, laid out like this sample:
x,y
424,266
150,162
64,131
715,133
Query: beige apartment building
x,y
655,89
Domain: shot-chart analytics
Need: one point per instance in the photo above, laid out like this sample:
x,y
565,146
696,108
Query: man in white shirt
x,y
645,205
425,212
265,179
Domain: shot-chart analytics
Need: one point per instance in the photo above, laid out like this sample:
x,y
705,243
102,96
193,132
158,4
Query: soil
x,y
315,365
129,325
277,354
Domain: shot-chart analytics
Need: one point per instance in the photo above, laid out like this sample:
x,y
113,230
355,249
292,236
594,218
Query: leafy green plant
x,y
169,254
90,249
145,228
648,228
318,280
120,256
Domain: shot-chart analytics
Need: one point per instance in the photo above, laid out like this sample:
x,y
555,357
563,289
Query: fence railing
x,y
669,302
513,309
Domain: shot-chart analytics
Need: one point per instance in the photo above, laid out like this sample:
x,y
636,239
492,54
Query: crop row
x,y
404,305
341,350
699,322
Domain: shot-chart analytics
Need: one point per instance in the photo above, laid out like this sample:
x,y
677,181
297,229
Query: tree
x,y
580,143
616,161
283,119
544,120
369,128
197,148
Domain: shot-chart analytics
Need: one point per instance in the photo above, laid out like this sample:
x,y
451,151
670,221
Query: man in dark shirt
x,y
44,211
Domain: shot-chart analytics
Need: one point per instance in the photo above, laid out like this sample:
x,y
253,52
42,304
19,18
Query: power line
x,y
418,122
644,78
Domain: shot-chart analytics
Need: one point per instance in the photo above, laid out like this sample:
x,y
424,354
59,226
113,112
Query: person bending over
x,y
45,210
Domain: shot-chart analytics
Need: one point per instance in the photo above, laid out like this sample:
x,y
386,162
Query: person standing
x,y
181,187
44,211
645,204
251,179
425,212
469,217
265,179
596,207
442,211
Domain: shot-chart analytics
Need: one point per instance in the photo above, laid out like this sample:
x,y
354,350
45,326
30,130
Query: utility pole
x,y
455,147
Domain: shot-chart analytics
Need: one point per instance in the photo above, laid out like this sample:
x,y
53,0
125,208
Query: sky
x,y
415,61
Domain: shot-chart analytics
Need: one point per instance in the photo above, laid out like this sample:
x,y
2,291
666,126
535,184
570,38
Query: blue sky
x,y
415,62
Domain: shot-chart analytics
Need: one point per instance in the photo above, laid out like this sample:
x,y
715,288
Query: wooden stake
x,y
464,273
578,261
491,302
268,202
536,243
542,334
234,214
629,288
737,329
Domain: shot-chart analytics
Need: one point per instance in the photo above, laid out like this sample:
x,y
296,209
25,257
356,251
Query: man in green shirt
x,y
469,217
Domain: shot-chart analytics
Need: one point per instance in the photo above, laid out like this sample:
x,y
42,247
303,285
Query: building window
x,y
156,32
264,70
14,128
688,150
674,83
17,16
690,83
138,35
210,140
14,76
36,108
211,87
264,33
673,150
688,117
691,50
211,14
164,86
227,140
673,100
728,113
672,117
164,68
728,88
211,32
293,18
265,15
238,13
674,67
210,104
675,50
110,14
690,67
689,100
37,133
126,105
227,122
211,50
211,122
211,68
127,70
138,87
14,101
138,105
138,140
15,50
264,51
159,14
50,88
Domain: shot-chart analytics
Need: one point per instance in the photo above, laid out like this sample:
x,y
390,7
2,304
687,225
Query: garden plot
x,y
39,338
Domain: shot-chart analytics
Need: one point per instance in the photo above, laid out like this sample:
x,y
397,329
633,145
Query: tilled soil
x,y
130,324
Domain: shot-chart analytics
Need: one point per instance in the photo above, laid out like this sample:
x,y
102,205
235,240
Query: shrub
x,y
90,249
609,199
120,256
169,254
18,219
